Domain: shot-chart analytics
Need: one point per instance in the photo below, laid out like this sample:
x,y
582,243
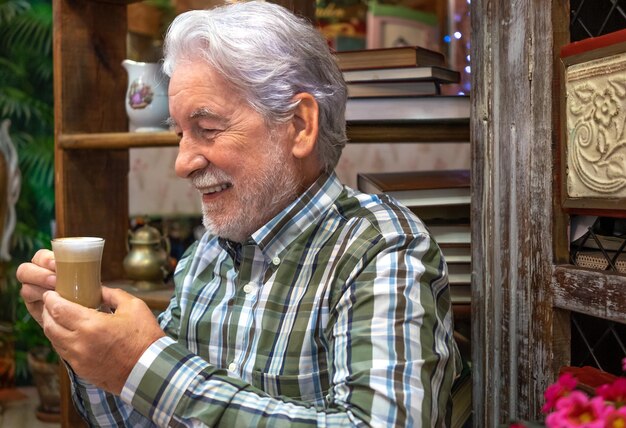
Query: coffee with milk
x,y
78,263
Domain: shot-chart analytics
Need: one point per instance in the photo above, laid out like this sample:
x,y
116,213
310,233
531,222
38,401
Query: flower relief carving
x,y
596,115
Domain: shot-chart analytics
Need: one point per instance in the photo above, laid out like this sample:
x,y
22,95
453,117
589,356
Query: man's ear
x,y
305,122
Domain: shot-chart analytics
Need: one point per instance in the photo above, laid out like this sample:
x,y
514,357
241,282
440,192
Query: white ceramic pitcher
x,y
146,96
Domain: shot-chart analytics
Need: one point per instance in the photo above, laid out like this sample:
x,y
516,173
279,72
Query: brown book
x,y
434,74
404,56
457,254
461,311
460,294
434,214
416,108
419,188
459,274
393,88
451,233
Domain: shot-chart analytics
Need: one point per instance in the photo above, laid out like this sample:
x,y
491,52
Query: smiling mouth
x,y
215,189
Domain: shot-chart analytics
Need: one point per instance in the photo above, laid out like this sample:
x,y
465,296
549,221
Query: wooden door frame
x,y
519,338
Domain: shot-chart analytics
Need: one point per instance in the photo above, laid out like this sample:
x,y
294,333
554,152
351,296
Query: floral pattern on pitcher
x,y
140,95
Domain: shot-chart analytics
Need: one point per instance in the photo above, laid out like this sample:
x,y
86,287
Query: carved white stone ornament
x,y
13,183
596,115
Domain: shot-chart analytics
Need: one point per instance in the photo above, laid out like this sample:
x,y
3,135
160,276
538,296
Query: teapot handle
x,y
165,241
128,238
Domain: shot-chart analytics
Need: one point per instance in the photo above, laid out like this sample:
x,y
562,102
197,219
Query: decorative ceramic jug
x,y
146,96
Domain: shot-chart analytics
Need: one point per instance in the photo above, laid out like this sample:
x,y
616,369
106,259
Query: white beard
x,y
257,201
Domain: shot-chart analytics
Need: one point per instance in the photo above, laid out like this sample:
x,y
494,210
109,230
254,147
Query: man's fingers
x,y
29,273
35,309
45,259
64,313
39,273
32,293
56,333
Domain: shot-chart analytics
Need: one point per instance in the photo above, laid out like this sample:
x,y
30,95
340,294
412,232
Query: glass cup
x,y
78,261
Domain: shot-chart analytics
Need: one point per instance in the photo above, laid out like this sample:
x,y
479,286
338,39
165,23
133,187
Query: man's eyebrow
x,y
205,113
170,122
200,113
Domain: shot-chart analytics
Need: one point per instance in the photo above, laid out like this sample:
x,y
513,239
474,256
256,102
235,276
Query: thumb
x,y
114,297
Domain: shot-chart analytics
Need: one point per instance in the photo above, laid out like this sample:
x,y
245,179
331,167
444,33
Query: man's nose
x,y
189,160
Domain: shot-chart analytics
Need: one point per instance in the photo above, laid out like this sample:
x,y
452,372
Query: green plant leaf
x,y
26,98
17,104
9,9
31,29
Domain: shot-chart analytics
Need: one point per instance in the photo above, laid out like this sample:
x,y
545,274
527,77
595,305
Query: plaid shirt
x,y
335,313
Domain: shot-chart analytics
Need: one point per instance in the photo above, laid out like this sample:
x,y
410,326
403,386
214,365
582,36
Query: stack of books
x,y
401,83
441,199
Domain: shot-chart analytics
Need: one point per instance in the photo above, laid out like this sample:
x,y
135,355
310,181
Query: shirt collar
x,y
232,248
289,224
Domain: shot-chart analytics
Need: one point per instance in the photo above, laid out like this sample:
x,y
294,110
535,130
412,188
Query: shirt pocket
x,y
310,387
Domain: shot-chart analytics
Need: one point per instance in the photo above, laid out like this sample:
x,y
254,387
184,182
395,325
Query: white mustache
x,y
209,178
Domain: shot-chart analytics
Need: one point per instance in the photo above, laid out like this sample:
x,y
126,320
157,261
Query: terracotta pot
x,y
7,356
46,378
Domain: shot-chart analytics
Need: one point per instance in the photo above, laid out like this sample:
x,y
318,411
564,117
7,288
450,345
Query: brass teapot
x,y
147,259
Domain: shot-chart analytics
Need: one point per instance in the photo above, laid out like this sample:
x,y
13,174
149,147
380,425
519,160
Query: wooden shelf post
x,y
91,190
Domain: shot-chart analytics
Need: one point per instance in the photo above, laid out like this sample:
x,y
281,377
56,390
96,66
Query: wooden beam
x,y
591,292
91,188
512,139
375,132
91,196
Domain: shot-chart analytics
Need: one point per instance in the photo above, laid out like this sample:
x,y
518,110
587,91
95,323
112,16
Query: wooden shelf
x,y
156,300
116,1
370,132
592,292
117,140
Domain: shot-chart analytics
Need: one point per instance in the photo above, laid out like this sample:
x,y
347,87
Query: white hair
x,y
269,55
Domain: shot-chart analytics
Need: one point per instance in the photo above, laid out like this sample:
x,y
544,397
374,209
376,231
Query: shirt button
x,y
276,261
232,367
248,288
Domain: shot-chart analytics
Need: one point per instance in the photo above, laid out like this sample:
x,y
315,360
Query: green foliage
x,y
10,9
26,98
28,337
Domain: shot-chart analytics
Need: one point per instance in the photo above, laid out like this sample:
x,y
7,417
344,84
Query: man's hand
x,y
37,277
101,348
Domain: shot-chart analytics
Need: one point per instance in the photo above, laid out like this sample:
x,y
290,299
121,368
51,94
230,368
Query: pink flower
x,y
518,425
615,418
561,388
576,410
614,392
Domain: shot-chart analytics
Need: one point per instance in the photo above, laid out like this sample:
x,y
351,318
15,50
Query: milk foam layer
x,y
79,249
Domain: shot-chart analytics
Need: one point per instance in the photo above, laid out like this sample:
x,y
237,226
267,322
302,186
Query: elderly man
x,y
305,302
